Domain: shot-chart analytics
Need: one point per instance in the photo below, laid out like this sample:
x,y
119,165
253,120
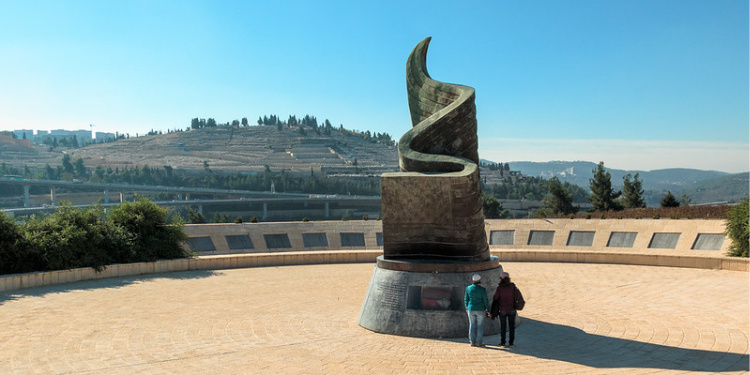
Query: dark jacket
x,y
505,299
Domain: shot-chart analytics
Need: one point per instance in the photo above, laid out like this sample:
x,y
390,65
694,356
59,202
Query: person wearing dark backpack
x,y
505,303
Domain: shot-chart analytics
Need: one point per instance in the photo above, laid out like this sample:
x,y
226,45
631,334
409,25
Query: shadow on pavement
x,y
569,344
114,282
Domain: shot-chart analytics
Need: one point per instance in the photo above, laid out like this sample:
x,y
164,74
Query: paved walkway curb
x,y
218,262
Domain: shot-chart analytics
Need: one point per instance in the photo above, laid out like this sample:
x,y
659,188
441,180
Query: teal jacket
x,y
475,298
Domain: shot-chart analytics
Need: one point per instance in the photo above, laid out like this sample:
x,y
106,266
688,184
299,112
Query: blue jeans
x,y
476,327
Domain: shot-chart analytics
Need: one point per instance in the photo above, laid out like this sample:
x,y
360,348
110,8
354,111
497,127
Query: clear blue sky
x,y
638,84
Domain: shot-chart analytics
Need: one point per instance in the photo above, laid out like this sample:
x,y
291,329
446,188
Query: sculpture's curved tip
x,y
416,64
454,106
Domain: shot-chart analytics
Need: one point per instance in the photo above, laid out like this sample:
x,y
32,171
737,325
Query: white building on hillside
x,y
102,137
24,134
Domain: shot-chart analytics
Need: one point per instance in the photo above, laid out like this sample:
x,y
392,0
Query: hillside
x,y
731,188
246,149
579,172
700,186
343,153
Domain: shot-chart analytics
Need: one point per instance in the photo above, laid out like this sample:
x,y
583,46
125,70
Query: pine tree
x,y
560,199
80,169
737,229
67,165
195,217
603,197
632,192
491,207
669,200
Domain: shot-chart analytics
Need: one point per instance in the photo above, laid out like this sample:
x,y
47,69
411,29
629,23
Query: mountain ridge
x,y
695,183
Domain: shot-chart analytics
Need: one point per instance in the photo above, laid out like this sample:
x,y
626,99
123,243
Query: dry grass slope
x,y
232,149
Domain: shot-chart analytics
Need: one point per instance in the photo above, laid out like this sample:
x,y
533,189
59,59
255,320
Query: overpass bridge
x,y
106,187
261,202
266,207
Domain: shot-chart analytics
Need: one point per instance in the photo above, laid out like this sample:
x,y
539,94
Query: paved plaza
x,y
579,319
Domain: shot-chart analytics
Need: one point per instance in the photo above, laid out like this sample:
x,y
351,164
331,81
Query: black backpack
x,y
518,301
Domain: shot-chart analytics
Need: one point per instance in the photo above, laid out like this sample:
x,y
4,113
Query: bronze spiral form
x,y
438,159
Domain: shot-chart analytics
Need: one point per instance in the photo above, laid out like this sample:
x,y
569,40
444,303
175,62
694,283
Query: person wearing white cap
x,y
477,307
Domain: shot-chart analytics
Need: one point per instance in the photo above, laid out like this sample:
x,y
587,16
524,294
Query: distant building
x,y
83,137
24,134
102,137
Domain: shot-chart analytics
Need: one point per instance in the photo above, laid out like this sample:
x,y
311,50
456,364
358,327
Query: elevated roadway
x,y
88,186
239,197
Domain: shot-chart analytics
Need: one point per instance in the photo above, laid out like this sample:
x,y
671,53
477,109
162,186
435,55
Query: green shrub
x,y
77,237
155,234
737,229
17,255
85,237
220,218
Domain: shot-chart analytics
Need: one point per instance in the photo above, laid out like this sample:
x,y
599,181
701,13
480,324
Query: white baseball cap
x,y
476,278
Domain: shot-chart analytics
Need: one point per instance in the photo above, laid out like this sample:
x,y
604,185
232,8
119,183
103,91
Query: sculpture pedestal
x,y
425,298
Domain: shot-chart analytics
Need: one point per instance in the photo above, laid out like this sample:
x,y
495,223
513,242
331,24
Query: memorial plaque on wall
x,y
392,296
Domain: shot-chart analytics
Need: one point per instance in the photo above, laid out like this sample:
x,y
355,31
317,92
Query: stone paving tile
x,y
579,319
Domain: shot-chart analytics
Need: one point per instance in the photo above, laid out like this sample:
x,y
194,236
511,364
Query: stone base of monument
x,y
425,299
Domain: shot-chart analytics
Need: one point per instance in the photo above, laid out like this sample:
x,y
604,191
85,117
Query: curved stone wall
x,y
678,243
704,238
369,233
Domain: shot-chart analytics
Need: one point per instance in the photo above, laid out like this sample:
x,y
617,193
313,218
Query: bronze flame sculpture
x,y
432,209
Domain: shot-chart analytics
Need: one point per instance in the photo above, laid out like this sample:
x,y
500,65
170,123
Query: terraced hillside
x,y
246,149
